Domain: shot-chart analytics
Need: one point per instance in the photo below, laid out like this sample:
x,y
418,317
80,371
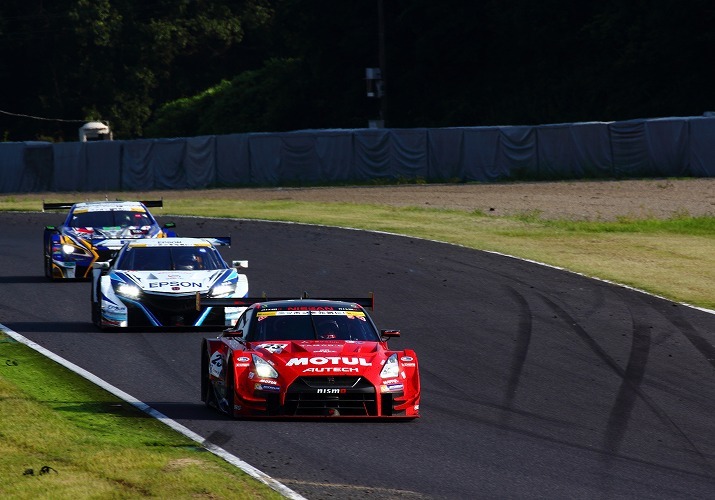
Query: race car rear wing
x,y
67,205
201,303
219,241
118,243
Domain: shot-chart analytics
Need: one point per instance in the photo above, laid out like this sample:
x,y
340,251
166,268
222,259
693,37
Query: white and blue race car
x,y
94,231
154,283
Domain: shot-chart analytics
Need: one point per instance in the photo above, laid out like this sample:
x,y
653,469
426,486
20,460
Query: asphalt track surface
x,y
537,383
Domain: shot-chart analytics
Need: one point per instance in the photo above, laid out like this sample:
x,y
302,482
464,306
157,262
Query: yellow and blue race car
x,y
95,231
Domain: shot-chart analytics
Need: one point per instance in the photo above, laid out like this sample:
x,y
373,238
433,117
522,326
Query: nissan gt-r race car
x,y
155,282
95,231
310,358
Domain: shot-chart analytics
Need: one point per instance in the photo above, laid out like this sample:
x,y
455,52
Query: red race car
x,y
307,358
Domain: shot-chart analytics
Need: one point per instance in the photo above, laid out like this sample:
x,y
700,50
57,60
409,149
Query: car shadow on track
x,y
45,327
186,411
26,279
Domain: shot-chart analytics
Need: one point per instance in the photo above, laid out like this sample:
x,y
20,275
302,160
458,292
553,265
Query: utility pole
x,y
375,77
381,60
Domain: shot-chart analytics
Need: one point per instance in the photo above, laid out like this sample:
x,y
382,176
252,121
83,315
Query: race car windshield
x,y
346,325
110,218
169,259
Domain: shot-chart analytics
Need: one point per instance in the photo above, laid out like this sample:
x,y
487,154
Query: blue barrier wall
x,y
663,147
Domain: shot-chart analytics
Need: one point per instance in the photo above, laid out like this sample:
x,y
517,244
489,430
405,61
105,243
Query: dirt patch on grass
x,y
574,200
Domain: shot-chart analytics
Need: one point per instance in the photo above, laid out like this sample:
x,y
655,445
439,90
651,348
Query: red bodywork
x,y
310,378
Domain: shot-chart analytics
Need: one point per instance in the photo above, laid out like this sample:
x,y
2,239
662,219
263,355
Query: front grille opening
x,y
173,311
324,396
389,401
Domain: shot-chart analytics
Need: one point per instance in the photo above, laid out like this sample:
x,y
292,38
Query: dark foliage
x,y
193,67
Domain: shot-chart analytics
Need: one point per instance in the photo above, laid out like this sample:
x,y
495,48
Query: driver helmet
x,y
187,262
328,329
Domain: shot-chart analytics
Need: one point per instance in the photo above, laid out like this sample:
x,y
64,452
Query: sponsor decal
x,y
175,284
216,364
406,358
409,365
309,308
267,381
332,369
311,311
391,388
266,387
331,391
274,348
112,308
328,360
243,359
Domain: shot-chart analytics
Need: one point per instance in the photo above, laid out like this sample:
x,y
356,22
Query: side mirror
x,y
233,333
240,264
388,334
104,265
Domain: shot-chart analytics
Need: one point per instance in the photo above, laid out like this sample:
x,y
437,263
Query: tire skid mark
x,y
701,344
633,386
521,349
628,391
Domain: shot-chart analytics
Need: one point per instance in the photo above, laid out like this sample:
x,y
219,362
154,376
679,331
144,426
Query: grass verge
x,y
63,437
672,258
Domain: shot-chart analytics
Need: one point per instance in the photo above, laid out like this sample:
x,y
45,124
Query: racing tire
x,y
96,310
96,315
230,388
48,268
208,396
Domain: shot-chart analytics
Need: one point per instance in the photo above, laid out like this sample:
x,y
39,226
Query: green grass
x,y
96,445
101,445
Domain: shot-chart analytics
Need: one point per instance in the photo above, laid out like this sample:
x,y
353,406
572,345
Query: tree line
x,y
169,68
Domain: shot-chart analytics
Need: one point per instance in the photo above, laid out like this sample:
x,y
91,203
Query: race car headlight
x,y
70,249
222,289
263,368
131,291
391,368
